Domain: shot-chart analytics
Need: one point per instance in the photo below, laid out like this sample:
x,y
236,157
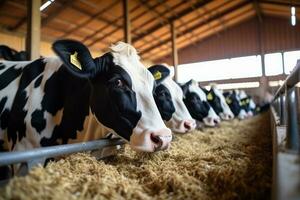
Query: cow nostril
x,y
216,121
156,139
187,125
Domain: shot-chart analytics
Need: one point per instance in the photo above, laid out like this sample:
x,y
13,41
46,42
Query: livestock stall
x,y
253,158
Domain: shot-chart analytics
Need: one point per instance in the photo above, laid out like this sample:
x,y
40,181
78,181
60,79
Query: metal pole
x,y
127,25
33,36
292,134
174,51
282,110
9,158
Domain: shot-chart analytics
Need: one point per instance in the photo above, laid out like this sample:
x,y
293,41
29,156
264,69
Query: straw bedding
x,y
229,162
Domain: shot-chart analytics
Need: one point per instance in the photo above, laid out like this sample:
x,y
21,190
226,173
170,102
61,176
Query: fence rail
x,y
287,105
37,154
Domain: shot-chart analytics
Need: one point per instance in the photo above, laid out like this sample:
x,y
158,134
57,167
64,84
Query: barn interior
x,y
250,45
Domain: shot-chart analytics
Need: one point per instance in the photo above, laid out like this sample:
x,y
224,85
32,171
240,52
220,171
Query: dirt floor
x,y
230,162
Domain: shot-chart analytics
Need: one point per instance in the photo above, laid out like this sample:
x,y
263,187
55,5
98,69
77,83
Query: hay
x,y
229,162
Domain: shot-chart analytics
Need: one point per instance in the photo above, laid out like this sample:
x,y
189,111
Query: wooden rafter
x,y
215,17
116,29
242,16
281,3
257,10
91,18
181,14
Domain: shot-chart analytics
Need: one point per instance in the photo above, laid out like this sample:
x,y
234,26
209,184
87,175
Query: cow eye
x,y
119,83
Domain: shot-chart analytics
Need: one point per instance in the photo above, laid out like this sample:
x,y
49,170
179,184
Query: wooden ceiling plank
x,y
181,14
216,17
91,18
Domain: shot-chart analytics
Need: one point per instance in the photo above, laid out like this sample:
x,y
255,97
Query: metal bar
x,y
290,81
174,50
127,25
33,37
9,158
282,110
292,131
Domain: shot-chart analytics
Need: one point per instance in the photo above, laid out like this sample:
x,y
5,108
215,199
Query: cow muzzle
x,y
151,141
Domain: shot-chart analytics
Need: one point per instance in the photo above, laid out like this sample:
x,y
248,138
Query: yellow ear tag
x,y
157,75
228,101
74,60
209,96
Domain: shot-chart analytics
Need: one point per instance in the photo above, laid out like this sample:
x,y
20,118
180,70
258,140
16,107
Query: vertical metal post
x,y
282,109
282,59
292,133
127,25
33,36
174,51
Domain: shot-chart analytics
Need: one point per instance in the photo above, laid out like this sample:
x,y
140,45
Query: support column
x,y
127,25
174,51
33,36
282,59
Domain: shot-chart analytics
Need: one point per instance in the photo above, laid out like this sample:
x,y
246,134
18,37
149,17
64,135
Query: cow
x,y
233,101
196,102
247,103
169,100
73,98
8,53
217,101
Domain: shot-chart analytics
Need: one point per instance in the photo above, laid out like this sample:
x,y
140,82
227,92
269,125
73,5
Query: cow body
x,y
51,101
169,100
217,100
197,104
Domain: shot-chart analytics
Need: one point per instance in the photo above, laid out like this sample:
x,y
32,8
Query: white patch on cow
x,y
212,117
126,57
181,114
227,113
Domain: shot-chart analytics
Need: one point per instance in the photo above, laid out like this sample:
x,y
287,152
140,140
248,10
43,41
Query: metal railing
x,y
33,156
287,104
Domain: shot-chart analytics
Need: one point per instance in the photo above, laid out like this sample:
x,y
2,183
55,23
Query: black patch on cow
x,y
163,100
16,125
2,66
115,106
2,103
233,102
197,108
38,121
63,90
38,81
4,119
214,101
9,76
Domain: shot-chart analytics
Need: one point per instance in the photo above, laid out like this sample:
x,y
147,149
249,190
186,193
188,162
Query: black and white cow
x,y
235,104
76,98
169,100
7,53
217,100
196,102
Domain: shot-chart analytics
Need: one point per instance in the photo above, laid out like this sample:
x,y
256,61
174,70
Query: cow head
x,y
196,102
218,102
247,103
121,93
169,100
233,101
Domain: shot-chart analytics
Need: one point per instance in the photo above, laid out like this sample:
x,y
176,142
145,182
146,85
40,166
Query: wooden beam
x,y
174,51
33,36
281,3
257,10
179,15
91,18
127,25
190,29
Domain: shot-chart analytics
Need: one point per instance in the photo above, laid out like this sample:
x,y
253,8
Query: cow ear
x,y
185,87
159,72
76,57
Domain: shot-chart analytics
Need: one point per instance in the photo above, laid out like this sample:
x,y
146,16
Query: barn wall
x,y
243,40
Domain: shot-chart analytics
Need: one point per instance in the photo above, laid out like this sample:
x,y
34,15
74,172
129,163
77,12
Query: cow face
x,y
169,100
196,102
218,102
233,100
121,93
247,103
